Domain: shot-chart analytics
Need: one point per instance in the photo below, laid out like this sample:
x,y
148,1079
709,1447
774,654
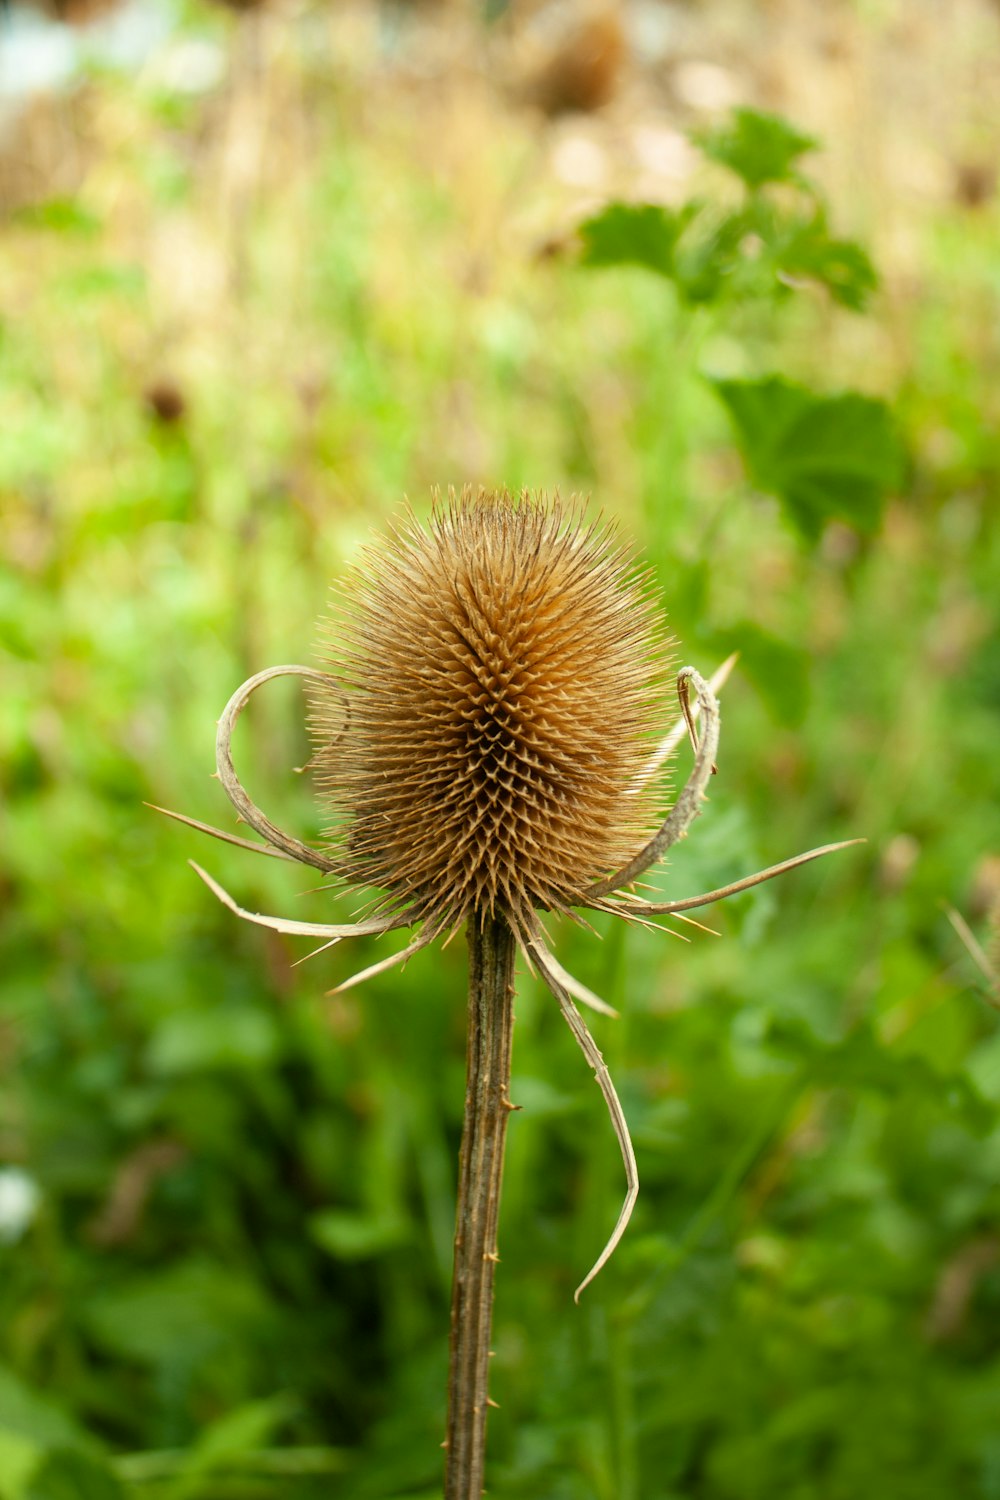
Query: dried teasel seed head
x,y
499,674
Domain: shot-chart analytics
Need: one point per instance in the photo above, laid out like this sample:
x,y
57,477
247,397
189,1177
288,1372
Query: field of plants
x,y
731,271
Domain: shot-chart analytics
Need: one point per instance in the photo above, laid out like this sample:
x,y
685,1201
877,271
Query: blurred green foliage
x,y
773,239
226,1209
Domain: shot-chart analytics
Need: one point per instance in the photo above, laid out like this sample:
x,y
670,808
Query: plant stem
x,y
484,1129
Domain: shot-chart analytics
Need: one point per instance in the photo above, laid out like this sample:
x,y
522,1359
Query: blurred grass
x,y
246,1188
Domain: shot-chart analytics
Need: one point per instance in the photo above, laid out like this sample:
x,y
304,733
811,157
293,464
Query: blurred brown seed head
x,y
975,183
77,12
165,401
501,669
584,67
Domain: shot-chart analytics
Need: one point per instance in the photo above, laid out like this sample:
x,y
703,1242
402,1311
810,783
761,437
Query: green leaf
x,y
778,670
822,456
541,1099
705,263
178,1317
72,1475
632,234
763,250
804,249
38,1418
983,1067
228,1037
238,1433
356,1236
62,215
19,1460
861,1060
758,147
83,283
33,1428
168,1465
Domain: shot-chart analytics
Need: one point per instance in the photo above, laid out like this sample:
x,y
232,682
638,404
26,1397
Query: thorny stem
x,y
484,1129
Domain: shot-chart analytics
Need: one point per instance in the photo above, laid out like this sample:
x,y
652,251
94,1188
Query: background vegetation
x,y
300,262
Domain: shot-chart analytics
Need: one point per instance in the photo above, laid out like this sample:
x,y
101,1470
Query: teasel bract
x,y
488,734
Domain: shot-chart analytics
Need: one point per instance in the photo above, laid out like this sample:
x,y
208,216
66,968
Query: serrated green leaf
x,y
804,249
632,234
758,147
822,456
764,251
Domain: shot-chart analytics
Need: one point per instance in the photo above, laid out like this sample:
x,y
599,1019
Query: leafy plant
x,y
229,1254
824,457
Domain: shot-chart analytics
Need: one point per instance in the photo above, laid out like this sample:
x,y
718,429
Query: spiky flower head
x,y
499,671
485,735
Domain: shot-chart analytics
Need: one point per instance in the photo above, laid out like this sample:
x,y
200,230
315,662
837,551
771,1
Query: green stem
x,y
484,1129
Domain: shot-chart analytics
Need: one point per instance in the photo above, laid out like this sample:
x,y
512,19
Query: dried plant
x,y
986,960
487,737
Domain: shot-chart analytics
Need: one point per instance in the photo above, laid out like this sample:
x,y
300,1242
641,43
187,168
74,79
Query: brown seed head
x,y
500,672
